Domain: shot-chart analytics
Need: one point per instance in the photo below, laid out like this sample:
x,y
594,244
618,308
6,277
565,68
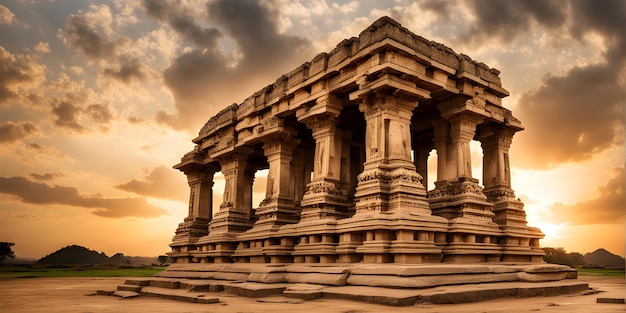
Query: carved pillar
x,y
520,242
234,214
278,206
196,224
472,234
389,181
325,195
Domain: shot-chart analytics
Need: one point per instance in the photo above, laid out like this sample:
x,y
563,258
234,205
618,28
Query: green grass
x,y
16,272
601,272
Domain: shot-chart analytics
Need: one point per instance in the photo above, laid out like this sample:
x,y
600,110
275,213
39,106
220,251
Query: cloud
x,y
46,176
162,182
183,22
506,20
210,74
577,115
128,70
94,34
37,154
40,193
11,131
608,208
99,113
87,32
20,74
67,116
42,47
6,16
73,108
571,118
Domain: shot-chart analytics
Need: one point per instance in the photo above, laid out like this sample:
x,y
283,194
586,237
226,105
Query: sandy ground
x,y
71,295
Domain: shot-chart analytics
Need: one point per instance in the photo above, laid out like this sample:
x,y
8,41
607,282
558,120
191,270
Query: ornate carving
x,y
324,187
456,188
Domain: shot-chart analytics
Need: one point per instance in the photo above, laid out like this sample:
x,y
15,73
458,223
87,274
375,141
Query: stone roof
x,y
383,28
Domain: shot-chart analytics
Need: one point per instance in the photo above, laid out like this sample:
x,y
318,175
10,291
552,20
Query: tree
x,y
560,256
5,251
163,259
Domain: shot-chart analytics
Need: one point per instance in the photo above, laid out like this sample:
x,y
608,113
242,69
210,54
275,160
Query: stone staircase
x,y
401,285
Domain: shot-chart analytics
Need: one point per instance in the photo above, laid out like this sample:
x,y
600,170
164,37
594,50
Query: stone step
x,y
202,291
126,294
133,288
202,285
165,283
179,295
254,290
138,282
452,294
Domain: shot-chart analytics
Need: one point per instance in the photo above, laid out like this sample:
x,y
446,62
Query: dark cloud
x,y
206,78
17,74
87,33
162,182
14,131
129,70
608,208
40,193
46,176
570,118
181,21
506,19
99,113
573,117
443,8
88,39
67,115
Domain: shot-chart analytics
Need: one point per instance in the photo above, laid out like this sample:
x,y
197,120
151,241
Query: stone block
x,y
207,300
133,288
254,290
387,296
269,278
138,282
318,278
232,276
170,284
541,276
126,294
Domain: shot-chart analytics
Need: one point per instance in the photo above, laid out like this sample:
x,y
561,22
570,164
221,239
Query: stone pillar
x,y
509,211
389,181
234,215
196,224
472,234
390,200
278,207
325,195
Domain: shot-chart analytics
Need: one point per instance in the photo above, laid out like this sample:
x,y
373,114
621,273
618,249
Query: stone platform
x,y
375,283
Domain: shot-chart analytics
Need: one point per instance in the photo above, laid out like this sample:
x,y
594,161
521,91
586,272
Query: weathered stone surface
x,y
318,278
427,281
254,290
133,288
396,297
162,283
125,294
610,300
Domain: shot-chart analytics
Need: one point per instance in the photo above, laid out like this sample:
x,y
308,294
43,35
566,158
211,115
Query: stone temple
x,y
345,139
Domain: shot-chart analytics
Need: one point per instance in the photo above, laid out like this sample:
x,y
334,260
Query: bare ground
x,y
72,295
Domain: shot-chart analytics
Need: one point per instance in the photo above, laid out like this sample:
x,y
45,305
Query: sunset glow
x,y
99,99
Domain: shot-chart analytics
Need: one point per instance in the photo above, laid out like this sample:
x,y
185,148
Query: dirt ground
x,y
72,295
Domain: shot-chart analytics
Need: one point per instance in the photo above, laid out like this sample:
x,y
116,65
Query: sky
x,y
99,99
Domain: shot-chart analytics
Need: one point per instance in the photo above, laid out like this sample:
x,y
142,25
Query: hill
x,y
603,258
78,255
